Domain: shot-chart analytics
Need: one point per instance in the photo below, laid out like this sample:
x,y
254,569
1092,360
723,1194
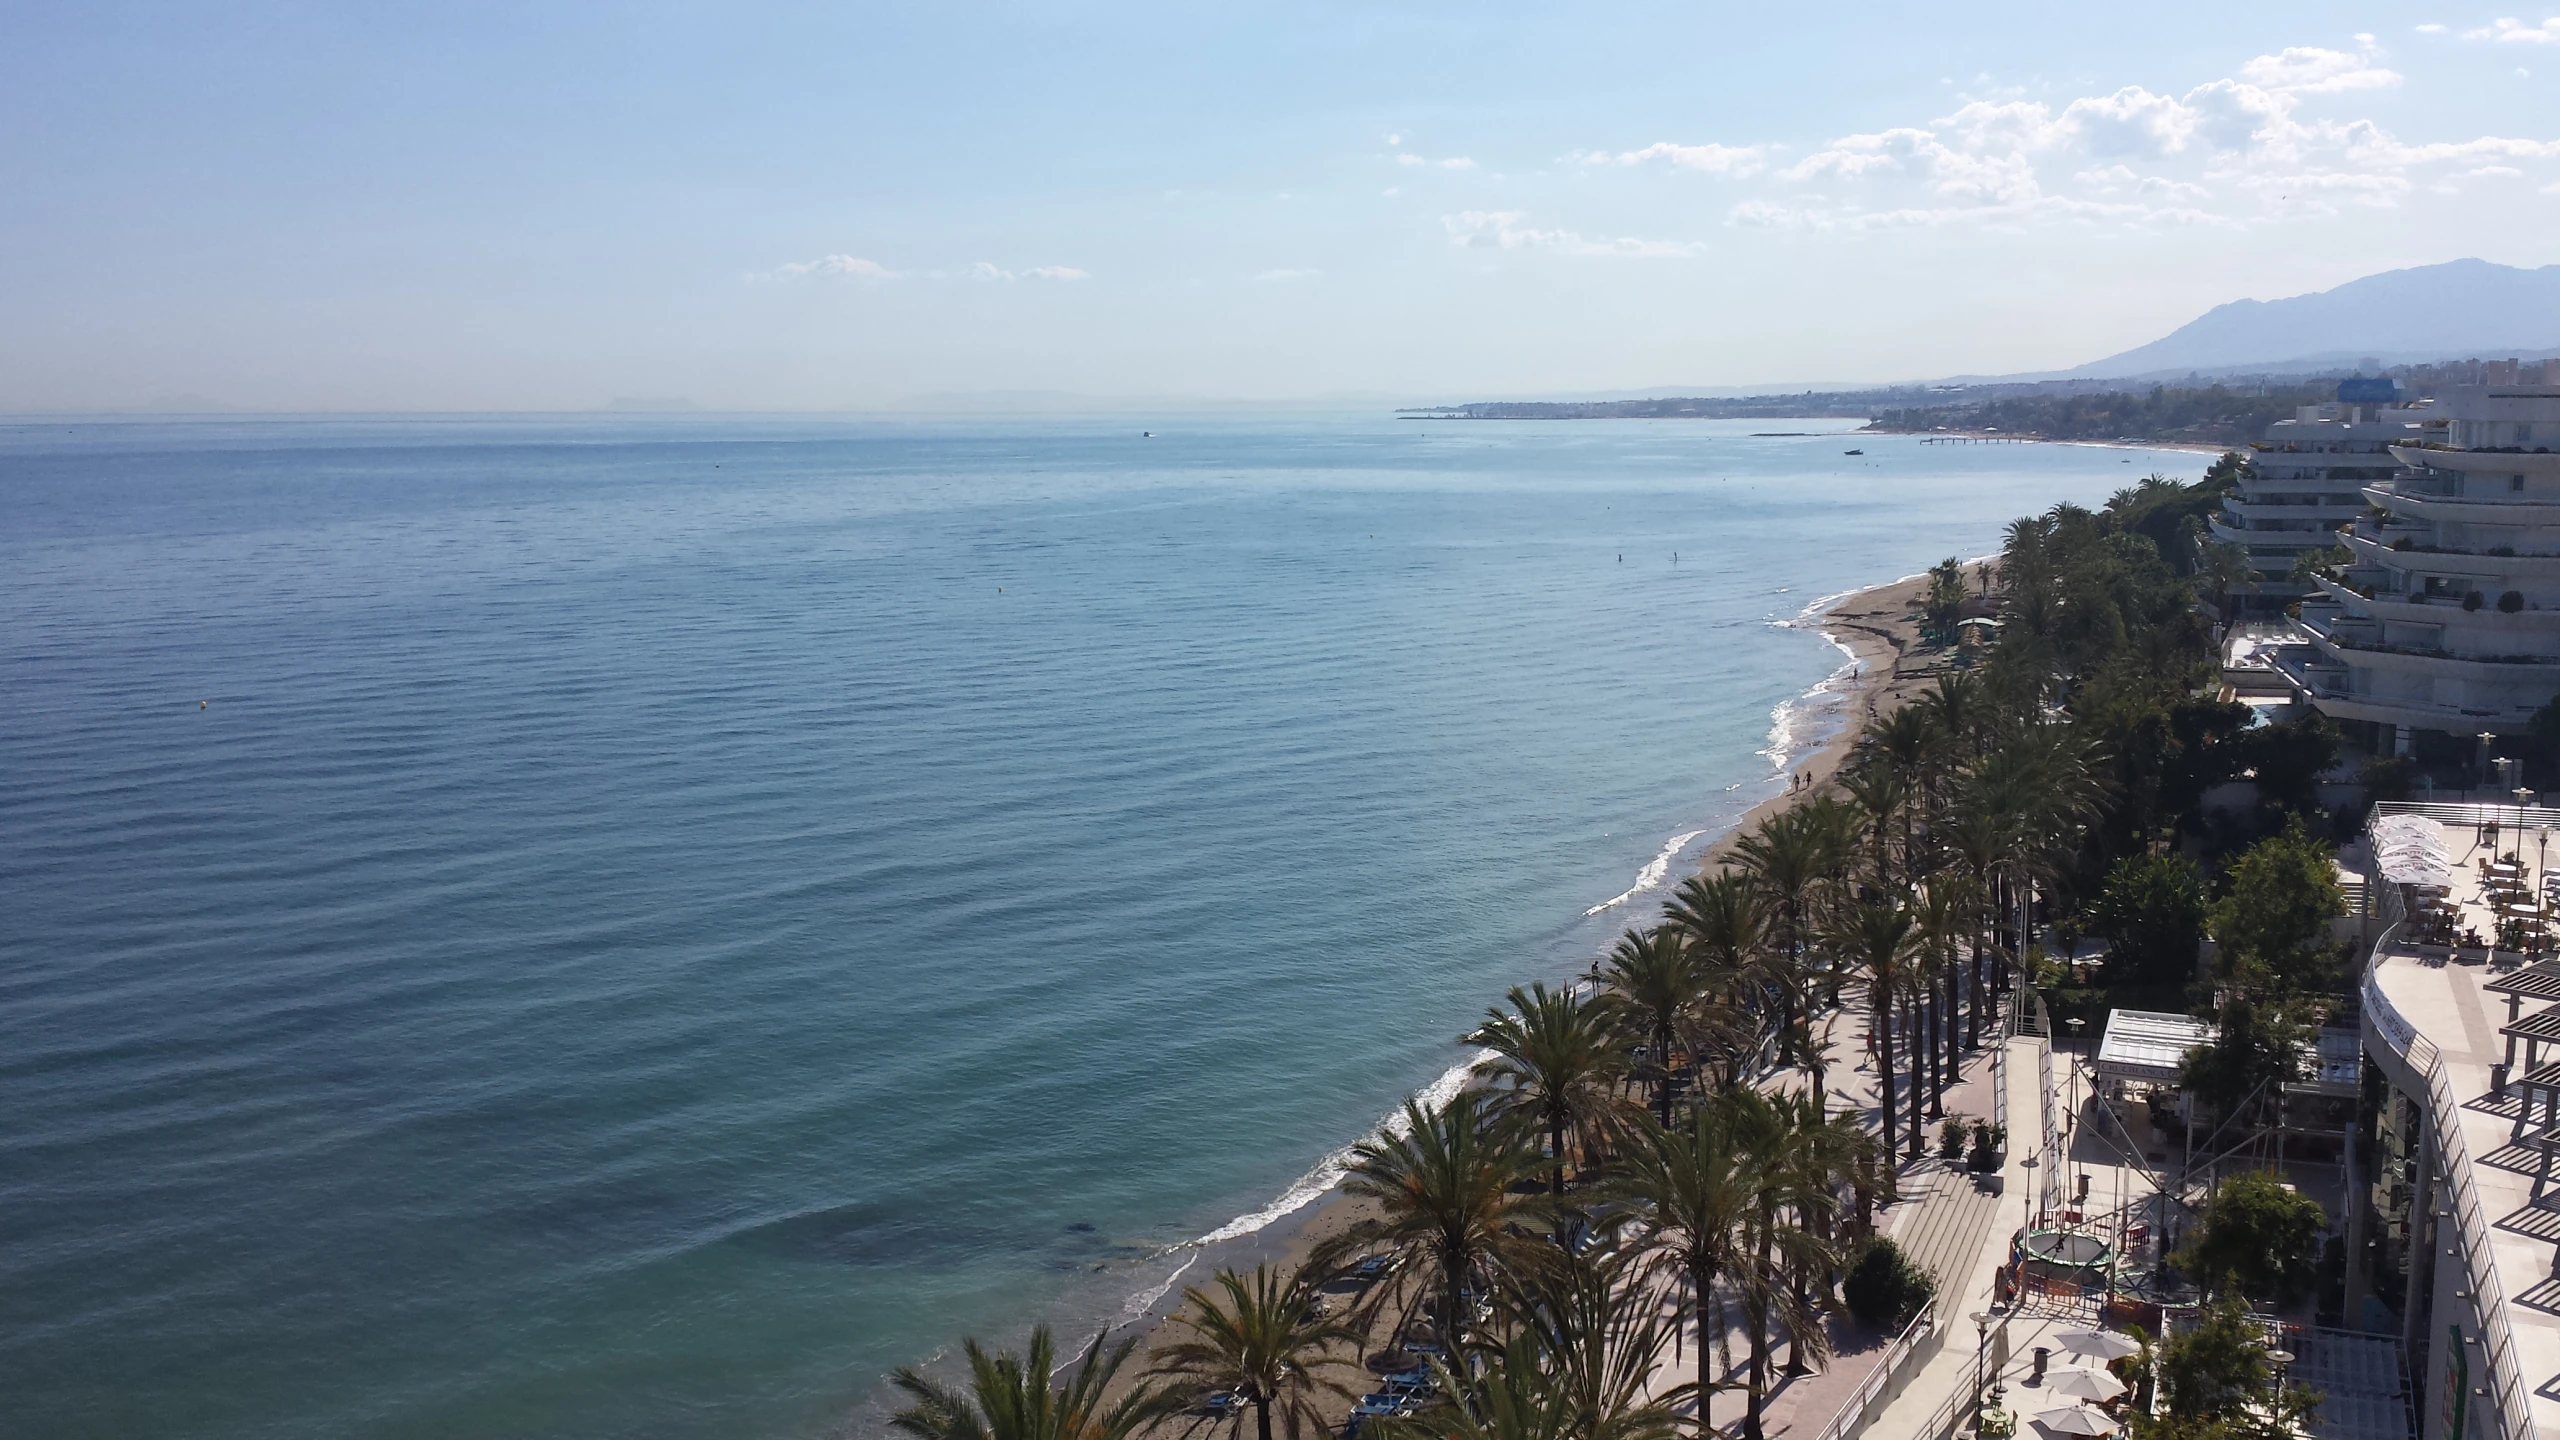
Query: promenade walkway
x,y
1941,1220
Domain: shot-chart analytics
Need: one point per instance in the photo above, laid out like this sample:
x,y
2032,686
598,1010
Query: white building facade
x,y
2447,615
2305,482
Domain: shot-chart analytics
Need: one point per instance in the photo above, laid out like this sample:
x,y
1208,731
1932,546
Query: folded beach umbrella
x,y
2085,1384
2075,1420
2097,1344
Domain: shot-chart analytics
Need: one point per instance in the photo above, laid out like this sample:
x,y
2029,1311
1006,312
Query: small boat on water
x,y
1853,452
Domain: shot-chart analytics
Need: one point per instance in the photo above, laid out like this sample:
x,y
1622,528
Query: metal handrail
x,y
1883,1380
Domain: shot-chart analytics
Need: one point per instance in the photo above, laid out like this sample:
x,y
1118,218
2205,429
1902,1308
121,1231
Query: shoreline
x,y
1877,628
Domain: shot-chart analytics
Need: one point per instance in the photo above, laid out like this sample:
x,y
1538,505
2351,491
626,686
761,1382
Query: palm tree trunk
x,y
1758,1314
1262,1418
1937,1057
1882,1005
1555,1139
1662,1057
1919,1081
1702,1279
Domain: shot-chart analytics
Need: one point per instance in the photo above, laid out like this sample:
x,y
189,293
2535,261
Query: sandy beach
x,y
1880,627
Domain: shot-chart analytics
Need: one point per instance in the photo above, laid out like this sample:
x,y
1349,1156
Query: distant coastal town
x,y
2225,410
2131,1026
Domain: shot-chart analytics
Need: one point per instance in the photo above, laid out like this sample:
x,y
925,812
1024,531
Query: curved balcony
x,y
2492,573
2414,498
2336,512
2540,464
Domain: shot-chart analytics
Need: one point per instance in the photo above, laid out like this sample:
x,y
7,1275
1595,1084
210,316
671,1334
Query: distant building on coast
x,y
2445,621
2305,483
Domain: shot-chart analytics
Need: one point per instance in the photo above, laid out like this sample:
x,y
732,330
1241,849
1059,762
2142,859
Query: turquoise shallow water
x,y
654,923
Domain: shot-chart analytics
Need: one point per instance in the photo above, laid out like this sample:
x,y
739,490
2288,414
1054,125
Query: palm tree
x,y
1449,1215
1653,982
1880,792
1771,1254
1941,912
1814,1156
1791,859
1875,938
1263,1340
1552,1059
1524,1394
1979,838
1596,1334
1727,932
1910,745
1697,1186
1010,1399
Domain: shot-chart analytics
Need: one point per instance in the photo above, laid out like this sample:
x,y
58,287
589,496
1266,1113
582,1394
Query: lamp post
x,y
1981,1350
2279,1359
2541,877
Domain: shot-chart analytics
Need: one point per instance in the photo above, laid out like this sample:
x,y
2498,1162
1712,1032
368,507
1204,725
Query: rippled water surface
x,y
566,928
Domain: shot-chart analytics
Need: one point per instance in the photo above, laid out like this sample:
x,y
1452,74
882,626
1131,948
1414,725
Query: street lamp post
x,y
1981,1349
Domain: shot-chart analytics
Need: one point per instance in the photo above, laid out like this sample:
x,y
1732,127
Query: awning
x,y
2149,1046
2410,850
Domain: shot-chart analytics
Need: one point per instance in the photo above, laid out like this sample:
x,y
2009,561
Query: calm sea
x,y
579,928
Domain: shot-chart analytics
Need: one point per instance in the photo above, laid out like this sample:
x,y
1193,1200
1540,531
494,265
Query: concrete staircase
x,y
1942,1221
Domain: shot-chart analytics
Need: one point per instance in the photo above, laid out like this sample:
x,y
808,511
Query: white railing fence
x,y
2507,1389
1902,1359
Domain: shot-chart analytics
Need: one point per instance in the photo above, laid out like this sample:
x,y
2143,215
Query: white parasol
x,y
2086,1384
2075,1420
2097,1344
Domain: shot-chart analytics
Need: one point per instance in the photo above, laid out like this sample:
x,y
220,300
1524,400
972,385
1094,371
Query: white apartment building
x,y
2305,482
2447,616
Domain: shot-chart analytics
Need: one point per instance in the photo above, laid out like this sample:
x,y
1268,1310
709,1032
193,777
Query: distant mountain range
x,y
2456,310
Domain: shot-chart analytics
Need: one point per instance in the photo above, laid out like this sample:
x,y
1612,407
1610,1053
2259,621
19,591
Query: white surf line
x,y
1651,875
1328,1172
1137,1306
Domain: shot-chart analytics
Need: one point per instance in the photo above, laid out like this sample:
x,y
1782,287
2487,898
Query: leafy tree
x,y
1884,1289
1018,1399
2253,1053
2284,891
2259,1238
2324,562
1260,1339
2152,914
2290,757
2214,1382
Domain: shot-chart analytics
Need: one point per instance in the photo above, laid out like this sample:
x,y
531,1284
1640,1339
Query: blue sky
x,y
529,206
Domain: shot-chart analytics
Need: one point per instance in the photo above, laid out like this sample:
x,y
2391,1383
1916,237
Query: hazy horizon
x,y
773,209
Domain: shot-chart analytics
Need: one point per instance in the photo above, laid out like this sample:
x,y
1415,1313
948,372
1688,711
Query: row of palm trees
x,y
1638,1160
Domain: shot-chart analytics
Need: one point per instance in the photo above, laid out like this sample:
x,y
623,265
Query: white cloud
x,y
1502,230
984,270
848,267
2433,29
1713,159
2511,31
1454,162
2310,70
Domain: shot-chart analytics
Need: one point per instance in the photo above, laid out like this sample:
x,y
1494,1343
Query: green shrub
x,y
1951,1138
2511,602
1884,1289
